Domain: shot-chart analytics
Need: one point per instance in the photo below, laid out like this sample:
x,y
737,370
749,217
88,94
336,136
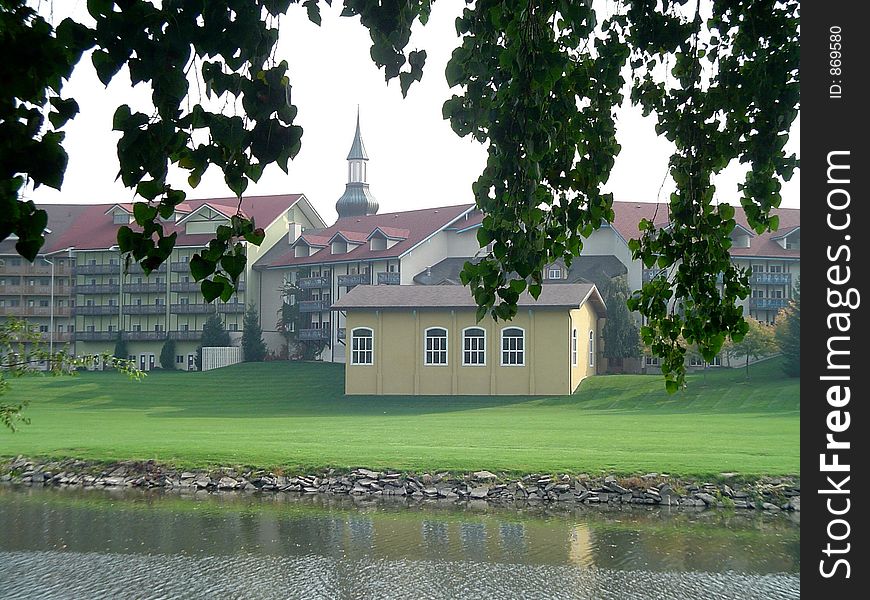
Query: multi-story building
x,y
361,247
95,300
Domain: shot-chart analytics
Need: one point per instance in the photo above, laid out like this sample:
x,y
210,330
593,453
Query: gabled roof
x,y
226,211
391,233
353,237
784,233
127,207
420,225
314,241
375,297
92,229
60,217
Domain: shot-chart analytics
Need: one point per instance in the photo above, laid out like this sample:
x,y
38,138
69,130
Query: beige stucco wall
x,y
584,320
399,354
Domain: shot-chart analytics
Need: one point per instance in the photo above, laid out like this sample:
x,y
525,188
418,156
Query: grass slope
x,y
295,416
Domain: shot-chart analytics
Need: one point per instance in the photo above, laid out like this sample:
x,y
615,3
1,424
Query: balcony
x,y
185,336
97,288
105,309
389,278
33,311
145,336
145,288
181,266
144,309
185,286
768,303
357,279
307,283
311,306
136,269
96,336
771,279
307,335
201,308
97,269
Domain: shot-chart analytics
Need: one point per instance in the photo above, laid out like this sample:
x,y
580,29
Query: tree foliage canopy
x,y
621,335
253,346
788,334
539,82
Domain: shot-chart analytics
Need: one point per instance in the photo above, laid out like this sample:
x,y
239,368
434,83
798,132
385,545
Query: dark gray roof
x,y
357,148
585,269
368,297
356,201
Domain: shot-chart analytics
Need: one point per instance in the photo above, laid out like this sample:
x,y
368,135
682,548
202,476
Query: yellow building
x,y
425,340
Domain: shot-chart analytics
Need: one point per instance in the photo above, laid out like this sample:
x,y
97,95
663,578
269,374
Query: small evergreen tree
x,y
121,352
620,333
788,334
253,346
167,355
213,335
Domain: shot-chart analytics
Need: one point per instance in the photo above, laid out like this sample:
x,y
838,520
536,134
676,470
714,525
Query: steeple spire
x,y
357,200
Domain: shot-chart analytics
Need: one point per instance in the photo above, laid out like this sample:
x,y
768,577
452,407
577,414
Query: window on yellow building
x,y
435,346
513,347
591,348
473,347
574,347
362,346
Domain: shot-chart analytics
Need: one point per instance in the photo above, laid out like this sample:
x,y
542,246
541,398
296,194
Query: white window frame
x,y
467,352
574,347
429,354
521,351
591,348
554,273
358,354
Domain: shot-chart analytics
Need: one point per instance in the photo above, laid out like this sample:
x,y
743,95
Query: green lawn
x,y
295,416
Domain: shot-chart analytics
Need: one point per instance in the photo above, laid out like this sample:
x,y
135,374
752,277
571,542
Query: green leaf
x,y
201,268
211,290
144,213
234,265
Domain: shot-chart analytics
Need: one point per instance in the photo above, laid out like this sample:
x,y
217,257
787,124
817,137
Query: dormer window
x,y
302,250
120,218
554,273
378,242
339,247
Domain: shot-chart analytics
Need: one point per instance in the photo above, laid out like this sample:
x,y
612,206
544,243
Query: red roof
x,y
357,237
394,233
94,230
419,225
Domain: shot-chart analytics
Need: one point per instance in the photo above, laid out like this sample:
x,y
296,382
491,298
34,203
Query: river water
x,y
83,544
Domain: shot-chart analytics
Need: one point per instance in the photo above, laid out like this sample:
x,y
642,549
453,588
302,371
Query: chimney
x,y
295,230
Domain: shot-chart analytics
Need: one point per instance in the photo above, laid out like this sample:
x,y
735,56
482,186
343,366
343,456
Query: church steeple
x,y
357,200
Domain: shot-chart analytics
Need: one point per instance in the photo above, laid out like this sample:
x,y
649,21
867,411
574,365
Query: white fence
x,y
220,356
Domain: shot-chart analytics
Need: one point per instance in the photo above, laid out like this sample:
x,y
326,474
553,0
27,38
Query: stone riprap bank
x,y
729,491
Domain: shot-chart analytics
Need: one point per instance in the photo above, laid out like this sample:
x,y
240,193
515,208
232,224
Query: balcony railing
x,y
313,334
145,288
202,308
312,282
768,303
144,309
389,278
33,311
185,336
185,286
180,266
98,288
136,269
771,279
97,269
103,309
357,279
310,306
96,336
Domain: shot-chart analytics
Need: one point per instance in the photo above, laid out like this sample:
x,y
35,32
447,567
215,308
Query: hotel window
x,y
179,359
474,347
234,327
137,327
435,346
362,346
185,327
554,273
43,329
652,361
513,347
574,347
775,269
591,348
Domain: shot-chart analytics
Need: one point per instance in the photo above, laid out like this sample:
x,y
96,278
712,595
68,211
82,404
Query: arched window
x,y
362,346
435,346
574,347
591,348
473,347
513,347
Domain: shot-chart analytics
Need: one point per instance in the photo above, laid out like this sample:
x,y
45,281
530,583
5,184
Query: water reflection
x,y
336,537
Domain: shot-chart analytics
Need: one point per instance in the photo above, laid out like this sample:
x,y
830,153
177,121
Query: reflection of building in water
x,y
512,537
581,551
473,538
360,535
436,541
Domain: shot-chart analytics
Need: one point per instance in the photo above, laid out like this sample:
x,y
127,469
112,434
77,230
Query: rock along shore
x,y
728,491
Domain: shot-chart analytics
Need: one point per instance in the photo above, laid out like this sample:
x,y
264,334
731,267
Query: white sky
x,y
416,161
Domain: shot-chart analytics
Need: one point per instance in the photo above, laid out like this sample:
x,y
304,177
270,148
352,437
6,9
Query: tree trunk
x,y
747,366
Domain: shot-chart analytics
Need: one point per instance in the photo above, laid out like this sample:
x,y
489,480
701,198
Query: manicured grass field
x,y
294,415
